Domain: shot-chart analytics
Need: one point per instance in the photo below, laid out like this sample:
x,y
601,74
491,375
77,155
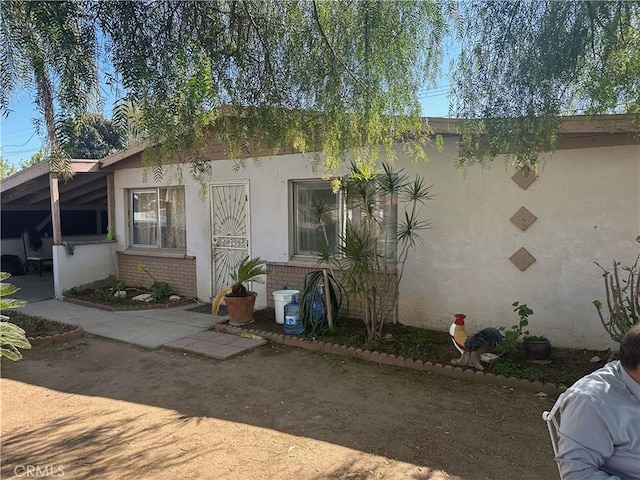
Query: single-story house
x,y
496,237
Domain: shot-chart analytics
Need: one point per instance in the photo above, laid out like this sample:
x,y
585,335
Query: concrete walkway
x,y
172,327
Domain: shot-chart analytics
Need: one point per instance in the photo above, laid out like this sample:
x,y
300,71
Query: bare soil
x,y
109,410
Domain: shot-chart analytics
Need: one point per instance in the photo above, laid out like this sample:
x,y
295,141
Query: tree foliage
x,y
50,48
264,73
90,136
6,168
320,74
526,63
334,75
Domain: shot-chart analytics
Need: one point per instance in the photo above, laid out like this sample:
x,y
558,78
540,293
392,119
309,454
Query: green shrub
x,y
160,290
12,337
508,368
510,341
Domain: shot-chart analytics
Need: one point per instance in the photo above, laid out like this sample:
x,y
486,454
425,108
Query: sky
x,y
18,137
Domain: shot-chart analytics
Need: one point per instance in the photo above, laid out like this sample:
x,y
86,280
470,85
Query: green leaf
x,y
10,353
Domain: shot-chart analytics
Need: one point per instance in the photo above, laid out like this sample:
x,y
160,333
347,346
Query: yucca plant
x,y
374,247
248,270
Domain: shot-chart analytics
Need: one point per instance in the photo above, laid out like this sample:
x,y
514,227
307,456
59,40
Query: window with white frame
x,y
309,234
158,218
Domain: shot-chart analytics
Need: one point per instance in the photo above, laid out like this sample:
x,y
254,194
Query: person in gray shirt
x,y
599,434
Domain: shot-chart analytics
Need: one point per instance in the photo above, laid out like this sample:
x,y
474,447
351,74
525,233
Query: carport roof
x,y
29,189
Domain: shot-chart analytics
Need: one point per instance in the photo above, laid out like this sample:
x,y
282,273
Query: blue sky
x,y
18,136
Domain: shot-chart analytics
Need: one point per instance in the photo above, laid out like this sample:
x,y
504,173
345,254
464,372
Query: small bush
x,y
161,290
508,368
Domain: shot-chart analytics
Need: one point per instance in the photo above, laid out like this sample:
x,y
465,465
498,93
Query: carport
x,y
70,214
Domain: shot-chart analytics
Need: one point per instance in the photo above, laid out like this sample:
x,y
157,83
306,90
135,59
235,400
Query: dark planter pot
x,y
240,309
537,351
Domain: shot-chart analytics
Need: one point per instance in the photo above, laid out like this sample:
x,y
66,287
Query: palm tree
x,y
51,49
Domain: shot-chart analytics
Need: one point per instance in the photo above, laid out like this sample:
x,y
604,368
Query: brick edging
x,y
86,303
142,306
63,337
399,361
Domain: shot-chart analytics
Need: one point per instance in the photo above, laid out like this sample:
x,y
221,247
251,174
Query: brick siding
x,y
293,278
180,273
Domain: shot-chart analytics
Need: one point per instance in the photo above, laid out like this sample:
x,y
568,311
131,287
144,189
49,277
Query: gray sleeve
x,y
584,441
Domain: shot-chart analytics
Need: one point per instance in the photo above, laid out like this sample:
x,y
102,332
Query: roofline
x,y
618,123
575,124
43,168
122,154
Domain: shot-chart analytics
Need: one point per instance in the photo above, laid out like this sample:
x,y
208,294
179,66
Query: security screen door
x,y
229,230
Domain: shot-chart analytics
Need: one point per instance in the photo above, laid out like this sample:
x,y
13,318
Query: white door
x,y
229,230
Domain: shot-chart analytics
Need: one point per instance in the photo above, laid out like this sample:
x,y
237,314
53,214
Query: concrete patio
x,y
176,328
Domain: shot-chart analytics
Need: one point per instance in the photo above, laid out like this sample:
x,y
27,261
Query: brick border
x,y
64,337
142,306
398,361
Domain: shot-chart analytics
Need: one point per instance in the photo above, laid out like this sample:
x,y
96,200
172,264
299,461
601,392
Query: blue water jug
x,y
317,308
292,322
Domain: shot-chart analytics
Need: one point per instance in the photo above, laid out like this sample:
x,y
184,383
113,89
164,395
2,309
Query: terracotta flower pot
x,y
240,309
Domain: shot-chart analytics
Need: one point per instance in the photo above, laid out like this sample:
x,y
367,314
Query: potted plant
x,y
537,348
239,300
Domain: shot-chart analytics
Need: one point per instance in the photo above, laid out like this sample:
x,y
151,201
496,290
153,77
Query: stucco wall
x,y
587,204
89,263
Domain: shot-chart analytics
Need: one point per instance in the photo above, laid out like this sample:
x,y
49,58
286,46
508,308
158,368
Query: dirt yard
x,y
109,410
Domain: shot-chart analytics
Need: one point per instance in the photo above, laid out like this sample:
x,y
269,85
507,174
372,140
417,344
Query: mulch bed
x,y
91,298
42,331
567,366
421,344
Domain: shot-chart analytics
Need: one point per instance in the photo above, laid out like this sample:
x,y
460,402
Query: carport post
x,y
111,205
55,209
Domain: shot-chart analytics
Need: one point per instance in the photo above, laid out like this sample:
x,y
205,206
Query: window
x,y
158,218
308,234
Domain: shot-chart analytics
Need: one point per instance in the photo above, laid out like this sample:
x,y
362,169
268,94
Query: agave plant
x,y
248,270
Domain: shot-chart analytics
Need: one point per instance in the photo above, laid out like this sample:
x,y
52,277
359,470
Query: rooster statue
x,y
471,347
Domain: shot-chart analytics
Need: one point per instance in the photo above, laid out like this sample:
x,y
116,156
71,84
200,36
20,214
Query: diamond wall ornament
x,y
523,218
523,180
522,259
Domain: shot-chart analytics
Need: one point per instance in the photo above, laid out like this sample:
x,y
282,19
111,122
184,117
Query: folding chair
x,y
33,257
552,417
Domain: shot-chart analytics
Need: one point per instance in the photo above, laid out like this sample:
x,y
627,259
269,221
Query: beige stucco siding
x,y
587,204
